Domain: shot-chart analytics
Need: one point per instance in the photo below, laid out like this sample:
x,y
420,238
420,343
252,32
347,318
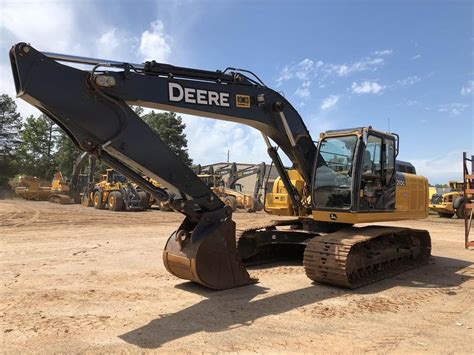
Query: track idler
x,y
205,252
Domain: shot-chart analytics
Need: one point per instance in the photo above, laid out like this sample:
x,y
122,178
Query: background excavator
x,y
258,170
65,192
349,177
229,190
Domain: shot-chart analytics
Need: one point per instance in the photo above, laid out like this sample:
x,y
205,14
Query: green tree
x,y
37,149
170,128
66,154
10,127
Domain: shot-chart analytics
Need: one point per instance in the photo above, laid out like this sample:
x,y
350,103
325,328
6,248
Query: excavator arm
x,y
258,170
93,109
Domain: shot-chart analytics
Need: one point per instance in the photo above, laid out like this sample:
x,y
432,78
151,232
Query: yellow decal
x,y
242,101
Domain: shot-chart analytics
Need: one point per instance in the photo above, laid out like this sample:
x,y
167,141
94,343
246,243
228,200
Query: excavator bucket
x,y
207,254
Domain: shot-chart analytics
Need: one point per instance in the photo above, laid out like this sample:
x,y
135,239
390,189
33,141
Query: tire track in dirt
x,y
21,216
408,300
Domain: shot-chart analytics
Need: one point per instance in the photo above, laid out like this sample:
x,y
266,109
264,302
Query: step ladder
x,y
468,174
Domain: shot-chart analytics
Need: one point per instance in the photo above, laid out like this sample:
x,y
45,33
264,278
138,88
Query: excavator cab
x,y
355,171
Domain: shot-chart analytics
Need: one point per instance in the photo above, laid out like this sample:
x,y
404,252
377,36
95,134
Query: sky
x,y
404,66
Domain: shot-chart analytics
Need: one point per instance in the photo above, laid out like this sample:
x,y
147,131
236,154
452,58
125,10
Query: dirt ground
x,y
80,280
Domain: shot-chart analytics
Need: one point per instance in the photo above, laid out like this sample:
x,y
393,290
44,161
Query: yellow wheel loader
x,y
348,178
115,193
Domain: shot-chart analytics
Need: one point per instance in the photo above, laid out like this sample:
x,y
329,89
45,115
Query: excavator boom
x,y
92,107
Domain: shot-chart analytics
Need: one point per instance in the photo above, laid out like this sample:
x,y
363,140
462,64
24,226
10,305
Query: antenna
x,y
228,153
389,125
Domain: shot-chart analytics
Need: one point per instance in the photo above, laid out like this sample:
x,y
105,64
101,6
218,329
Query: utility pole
x,y
228,153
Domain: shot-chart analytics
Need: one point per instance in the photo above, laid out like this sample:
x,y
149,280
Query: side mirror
x,y
397,144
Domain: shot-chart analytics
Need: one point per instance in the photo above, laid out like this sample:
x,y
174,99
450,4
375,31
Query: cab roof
x,y
356,131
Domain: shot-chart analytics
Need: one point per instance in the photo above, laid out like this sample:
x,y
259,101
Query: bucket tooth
x,y
207,254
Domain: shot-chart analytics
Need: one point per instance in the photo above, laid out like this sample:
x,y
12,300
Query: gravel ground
x,y
77,279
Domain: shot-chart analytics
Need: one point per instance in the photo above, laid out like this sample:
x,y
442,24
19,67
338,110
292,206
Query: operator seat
x,y
367,165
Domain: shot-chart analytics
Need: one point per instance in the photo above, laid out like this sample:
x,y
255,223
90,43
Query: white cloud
x,y
305,67
329,102
468,89
367,87
308,69
440,169
411,80
303,90
383,52
108,43
33,23
66,33
302,70
453,109
59,27
155,44
417,56
244,143
364,64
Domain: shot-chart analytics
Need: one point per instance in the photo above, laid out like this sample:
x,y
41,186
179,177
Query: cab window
x,y
372,162
333,178
390,160
377,187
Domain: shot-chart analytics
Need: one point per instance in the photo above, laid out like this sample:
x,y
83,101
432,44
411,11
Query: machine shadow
x,y
223,310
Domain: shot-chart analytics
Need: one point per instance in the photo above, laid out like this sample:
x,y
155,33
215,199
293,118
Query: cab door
x,y
376,166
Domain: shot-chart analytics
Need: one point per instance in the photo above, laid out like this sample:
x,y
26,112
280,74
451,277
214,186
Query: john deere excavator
x,y
65,192
349,177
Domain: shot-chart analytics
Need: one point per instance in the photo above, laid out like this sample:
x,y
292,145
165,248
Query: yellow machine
x,y
163,205
431,191
234,198
278,202
116,193
69,191
32,188
60,190
449,203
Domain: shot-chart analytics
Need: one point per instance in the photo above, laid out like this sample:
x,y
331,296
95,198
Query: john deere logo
x,y
333,216
242,101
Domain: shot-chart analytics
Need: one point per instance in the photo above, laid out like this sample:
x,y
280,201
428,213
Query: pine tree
x,y
170,128
66,154
10,127
37,149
